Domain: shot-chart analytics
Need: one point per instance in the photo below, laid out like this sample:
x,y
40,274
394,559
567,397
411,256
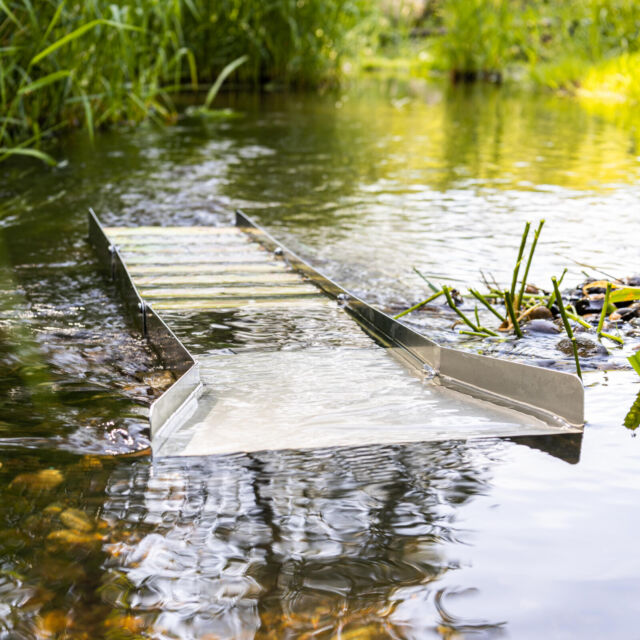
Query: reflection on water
x,y
483,539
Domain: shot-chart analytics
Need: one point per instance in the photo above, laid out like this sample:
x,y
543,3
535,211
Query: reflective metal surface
x,y
553,396
178,400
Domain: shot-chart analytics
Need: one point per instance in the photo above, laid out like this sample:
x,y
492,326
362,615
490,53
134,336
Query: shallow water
x,y
480,539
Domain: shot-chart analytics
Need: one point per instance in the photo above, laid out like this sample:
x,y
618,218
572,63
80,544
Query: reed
x,y
474,327
605,306
567,326
98,63
478,296
516,269
419,305
508,302
523,285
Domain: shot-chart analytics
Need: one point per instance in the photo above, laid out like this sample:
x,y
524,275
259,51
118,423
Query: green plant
x,y
97,63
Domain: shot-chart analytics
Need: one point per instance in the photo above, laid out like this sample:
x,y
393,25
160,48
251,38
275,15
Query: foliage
x,y
99,63
478,35
558,40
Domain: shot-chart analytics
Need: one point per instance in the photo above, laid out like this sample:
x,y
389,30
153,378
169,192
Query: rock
x,y
587,347
44,480
76,519
71,538
160,380
12,540
540,313
53,509
128,622
541,326
589,304
625,314
53,623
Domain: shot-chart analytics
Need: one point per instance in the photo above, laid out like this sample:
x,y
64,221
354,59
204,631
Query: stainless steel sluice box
x,y
418,389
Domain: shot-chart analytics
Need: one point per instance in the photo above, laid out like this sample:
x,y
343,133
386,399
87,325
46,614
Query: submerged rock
x,y
73,538
44,480
126,622
76,519
53,623
587,347
159,380
541,326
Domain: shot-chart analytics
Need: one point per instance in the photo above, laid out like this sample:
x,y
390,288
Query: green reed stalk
x,y
473,333
605,307
478,296
508,302
429,283
450,302
516,269
419,305
552,297
567,326
536,235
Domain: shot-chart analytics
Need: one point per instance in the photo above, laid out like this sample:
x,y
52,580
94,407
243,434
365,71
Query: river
x,y
493,538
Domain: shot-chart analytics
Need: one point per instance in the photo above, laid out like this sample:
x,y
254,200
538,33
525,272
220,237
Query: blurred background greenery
x,y
97,63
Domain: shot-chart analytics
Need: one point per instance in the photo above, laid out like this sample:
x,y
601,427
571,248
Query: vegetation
x,y
588,44
518,305
97,63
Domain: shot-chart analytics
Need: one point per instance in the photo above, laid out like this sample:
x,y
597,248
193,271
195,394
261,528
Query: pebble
x,y
589,305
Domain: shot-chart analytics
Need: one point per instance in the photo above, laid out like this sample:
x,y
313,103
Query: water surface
x,y
478,539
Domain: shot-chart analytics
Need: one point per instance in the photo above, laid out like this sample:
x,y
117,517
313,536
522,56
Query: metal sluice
x,y
205,269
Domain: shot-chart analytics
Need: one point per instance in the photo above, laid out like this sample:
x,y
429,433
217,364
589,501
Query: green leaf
x,y
626,294
634,360
54,21
34,153
76,34
5,8
228,70
44,81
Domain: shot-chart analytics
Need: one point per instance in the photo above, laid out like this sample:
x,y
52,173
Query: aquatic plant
x,y
98,63
567,325
533,303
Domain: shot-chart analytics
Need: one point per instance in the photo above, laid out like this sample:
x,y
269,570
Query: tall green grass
x,y
96,62
557,39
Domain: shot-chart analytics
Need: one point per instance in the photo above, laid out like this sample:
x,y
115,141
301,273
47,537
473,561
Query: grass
x,y
97,63
591,47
